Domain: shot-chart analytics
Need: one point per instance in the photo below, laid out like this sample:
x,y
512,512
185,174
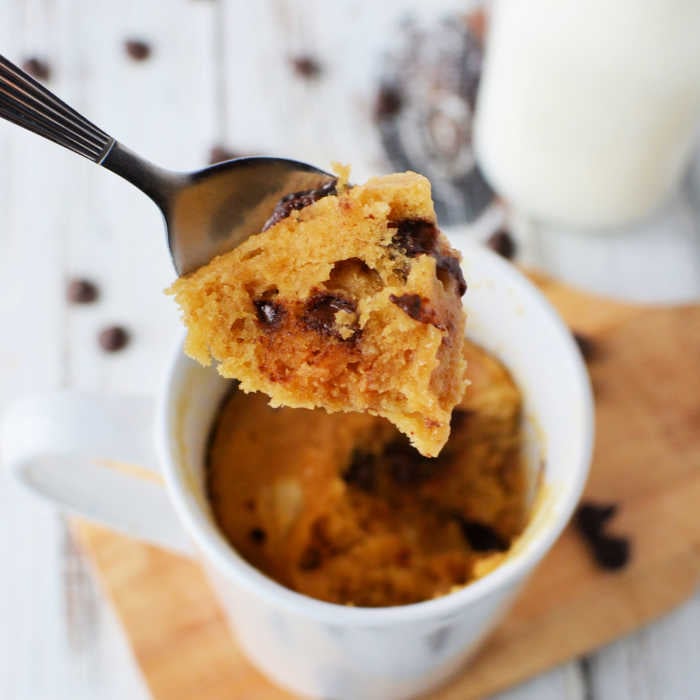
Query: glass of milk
x,y
588,110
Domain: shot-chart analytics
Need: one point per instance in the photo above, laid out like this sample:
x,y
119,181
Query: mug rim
x,y
236,569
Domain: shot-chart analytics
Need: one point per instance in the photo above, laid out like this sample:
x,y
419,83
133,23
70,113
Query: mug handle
x,y
57,445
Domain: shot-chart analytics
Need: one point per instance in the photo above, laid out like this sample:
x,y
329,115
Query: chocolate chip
x,y
388,102
137,49
362,470
320,310
611,553
306,66
270,313
586,345
298,200
81,291
218,153
113,338
591,517
502,243
311,559
414,237
420,237
37,68
482,538
418,308
258,535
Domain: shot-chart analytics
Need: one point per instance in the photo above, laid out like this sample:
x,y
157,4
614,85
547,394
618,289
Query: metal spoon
x,y
207,212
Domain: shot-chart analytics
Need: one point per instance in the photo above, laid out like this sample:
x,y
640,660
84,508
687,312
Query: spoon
x,y
207,212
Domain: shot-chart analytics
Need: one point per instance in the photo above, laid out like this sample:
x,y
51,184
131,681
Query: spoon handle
x,y
27,103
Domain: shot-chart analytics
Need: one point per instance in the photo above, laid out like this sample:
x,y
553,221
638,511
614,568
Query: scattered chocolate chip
x,y
502,242
311,559
591,517
137,49
388,102
320,310
482,538
298,200
113,338
250,504
418,308
270,313
258,535
611,553
219,153
586,345
37,67
306,66
81,291
362,470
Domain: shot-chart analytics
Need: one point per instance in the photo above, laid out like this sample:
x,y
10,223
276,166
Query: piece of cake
x,y
350,300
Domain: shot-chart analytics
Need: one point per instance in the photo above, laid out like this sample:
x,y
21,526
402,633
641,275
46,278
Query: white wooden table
x,y
218,73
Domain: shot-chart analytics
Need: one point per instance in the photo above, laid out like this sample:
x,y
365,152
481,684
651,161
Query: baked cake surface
x,y
341,507
350,300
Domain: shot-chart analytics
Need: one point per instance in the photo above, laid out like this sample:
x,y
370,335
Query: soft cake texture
x,y
340,506
351,302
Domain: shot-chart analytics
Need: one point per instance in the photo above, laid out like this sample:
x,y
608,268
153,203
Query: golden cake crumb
x,y
349,301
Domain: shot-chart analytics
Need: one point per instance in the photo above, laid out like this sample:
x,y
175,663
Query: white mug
x,y
53,444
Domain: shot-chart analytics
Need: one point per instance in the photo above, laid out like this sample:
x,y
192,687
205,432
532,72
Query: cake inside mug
x,y
348,300
340,507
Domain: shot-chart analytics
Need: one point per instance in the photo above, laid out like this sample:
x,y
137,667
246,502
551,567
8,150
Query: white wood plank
x,y
658,663
59,639
563,683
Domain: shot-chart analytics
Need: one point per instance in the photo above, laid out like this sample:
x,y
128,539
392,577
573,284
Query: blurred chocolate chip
x,y
219,153
591,517
388,102
611,553
310,559
306,66
81,291
258,535
502,243
113,338
137,49
586,345
362,470
482,538
37,67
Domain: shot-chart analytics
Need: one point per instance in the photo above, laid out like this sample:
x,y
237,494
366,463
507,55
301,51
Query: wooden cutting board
x,y
646,377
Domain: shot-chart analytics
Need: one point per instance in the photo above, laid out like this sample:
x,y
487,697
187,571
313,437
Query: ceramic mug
x,y
53,444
